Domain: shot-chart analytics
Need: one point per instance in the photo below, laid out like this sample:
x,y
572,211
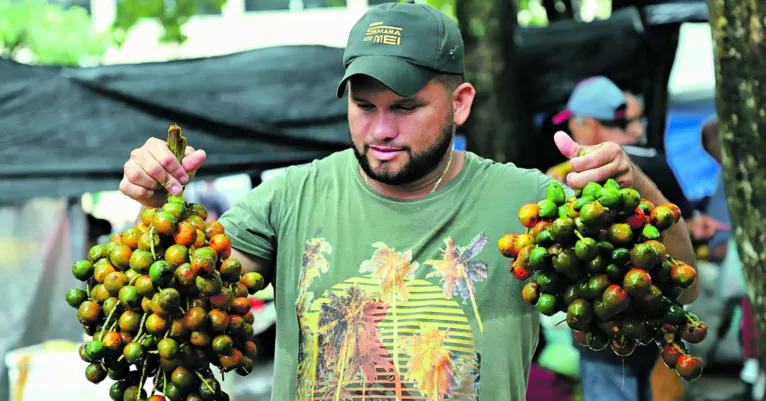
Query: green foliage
x,y
51,34
172,14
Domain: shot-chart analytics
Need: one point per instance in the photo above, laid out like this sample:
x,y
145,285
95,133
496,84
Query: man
x,y
597,112
387,280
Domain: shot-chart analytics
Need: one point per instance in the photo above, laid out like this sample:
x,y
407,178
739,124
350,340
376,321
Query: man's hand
x,y
595,163
704,227
153,167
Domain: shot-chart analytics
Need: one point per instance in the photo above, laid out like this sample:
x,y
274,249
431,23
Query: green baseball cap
x,y
404,46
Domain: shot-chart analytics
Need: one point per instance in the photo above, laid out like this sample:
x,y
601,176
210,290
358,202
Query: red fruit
x,y
670,355
540,226
673,208
689,367
580,337
519,272
694,332
637,219
615,299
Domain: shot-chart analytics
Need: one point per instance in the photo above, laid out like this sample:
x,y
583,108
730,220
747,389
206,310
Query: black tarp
x,y
66,131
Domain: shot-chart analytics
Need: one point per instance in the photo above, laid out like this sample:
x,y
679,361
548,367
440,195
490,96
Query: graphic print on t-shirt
x,y
386,334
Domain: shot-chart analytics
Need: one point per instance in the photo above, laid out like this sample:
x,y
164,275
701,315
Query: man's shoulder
x,y
328,166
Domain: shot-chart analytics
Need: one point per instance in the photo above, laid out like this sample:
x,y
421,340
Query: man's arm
x,y
254,264
677,241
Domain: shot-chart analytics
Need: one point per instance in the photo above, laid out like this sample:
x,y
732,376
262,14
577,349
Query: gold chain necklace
x,y
449,162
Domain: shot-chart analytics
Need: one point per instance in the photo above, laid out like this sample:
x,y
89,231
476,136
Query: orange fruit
x,y
147,215
146,240
213,228
156,325
504,244
522,241
186,234
120,256
130,237
198,209
221,244
116,238
196,221
528,215
165,223
540,226
101,270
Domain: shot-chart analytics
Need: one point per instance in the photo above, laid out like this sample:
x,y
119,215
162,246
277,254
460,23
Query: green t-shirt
x,y
377,296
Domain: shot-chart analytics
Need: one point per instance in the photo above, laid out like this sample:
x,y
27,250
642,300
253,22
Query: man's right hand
x,y
152,171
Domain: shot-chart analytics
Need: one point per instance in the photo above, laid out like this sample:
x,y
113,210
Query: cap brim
x,y
561,117
402,77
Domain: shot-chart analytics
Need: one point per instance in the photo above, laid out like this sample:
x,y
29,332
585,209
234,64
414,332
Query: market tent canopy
x,y
67,131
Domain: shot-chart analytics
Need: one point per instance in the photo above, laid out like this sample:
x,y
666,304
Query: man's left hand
x,y
595,163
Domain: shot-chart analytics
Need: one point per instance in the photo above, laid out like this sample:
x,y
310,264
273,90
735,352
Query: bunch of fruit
x,y
165,300
599,257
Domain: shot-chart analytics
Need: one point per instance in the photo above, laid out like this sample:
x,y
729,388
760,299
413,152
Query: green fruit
x,y
605,248
82,270
637,329
548,209
582,201
129,297
548,304
544,238
630,200
596,286
551,282
644,256
97,252
95,373
538,258
622,346
596,340
585,230
591,189
161,273
570,294
117,390
95,350
563,211
673,292
566,263
579,314
140,261
209,285
662,218
586,249
675,315
597,265
75,297
651,302
610,198
620,256
650,232
133,352
602,314
555,193
592,213
611,184
563,229
616,273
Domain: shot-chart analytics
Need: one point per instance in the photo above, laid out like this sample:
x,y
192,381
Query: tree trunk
x,y
741,91
500,125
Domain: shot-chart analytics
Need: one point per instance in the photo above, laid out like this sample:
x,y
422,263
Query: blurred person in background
x,y
214,201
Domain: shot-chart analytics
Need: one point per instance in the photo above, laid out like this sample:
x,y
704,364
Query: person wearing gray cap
x,y
387,276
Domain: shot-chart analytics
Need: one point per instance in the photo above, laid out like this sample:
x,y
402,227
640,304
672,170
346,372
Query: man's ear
x,y
462,100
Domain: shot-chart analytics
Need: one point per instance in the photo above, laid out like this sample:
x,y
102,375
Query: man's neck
x,y
425,185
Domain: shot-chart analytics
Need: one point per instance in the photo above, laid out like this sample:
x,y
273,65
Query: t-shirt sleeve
x,y
252,224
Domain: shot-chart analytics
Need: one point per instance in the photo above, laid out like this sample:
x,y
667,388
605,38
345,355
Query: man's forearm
x,y
677,240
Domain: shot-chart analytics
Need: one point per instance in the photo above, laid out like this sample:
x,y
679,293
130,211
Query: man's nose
x,y
384,126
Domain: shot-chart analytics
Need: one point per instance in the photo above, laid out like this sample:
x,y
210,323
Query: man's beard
x,y
418,166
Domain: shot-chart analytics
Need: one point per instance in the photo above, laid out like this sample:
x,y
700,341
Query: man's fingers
x,y
162,154
140,194
156,170
596,157
568,147
193,161
578,180
137,176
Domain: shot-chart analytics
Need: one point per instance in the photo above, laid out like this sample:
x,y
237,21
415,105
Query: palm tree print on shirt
x,y
387,334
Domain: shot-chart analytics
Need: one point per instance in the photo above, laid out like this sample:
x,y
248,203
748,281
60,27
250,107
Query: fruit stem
x,y
103,329
164,383
133,279
140,328
154,387
177,145
141,382
183,312
204,382
151,242
155,352
87,289
113,326
578,234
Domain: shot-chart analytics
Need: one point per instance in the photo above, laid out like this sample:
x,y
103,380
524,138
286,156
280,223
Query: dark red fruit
x,y
689,367
670,355
694,332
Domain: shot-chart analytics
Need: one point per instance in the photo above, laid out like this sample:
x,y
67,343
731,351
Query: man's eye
x,y
364,106
406,108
